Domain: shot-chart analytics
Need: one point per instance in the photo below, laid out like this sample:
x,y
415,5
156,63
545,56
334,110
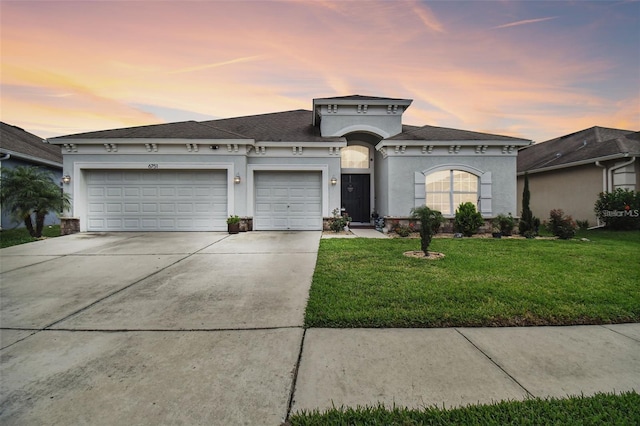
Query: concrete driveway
x,y
153,328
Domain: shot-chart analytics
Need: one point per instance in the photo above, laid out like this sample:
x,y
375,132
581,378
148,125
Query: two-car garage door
x,y
156,200
196,200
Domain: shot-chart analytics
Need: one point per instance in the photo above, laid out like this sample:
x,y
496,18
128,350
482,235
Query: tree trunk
x,y
29,225
39,223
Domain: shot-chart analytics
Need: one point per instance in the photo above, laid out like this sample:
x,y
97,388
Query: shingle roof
x,y
180,130
592,143
360,98
17,140
432,133
287,126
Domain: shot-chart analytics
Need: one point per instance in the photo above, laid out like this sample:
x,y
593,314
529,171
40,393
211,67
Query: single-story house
x,y
21,148
284,170
569,172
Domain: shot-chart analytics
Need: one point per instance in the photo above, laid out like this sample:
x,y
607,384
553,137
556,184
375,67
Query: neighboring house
x,y
285,170
569,172
21,148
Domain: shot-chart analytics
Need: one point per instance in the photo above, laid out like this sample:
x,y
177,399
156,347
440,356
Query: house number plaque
x,y
153,166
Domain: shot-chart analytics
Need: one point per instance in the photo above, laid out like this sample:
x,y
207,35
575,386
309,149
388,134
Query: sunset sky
x,y
534,69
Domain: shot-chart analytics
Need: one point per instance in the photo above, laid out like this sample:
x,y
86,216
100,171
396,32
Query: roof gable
x,y
19,141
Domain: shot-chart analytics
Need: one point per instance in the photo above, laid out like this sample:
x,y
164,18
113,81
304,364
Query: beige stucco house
x,y
569,172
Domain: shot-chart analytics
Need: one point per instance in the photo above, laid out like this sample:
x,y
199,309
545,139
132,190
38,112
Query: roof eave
x,y
475,142
159,141
31,158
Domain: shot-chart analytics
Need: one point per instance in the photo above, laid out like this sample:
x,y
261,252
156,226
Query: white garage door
x,y
156,200
288,200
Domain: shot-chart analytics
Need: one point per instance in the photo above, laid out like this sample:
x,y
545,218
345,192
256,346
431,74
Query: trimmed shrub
x,y
505,224
529,224
560,225
619,210
468,220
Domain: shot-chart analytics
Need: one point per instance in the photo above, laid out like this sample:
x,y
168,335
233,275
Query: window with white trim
x,y
447,189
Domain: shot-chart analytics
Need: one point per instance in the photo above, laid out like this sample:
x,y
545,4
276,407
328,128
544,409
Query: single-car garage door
x,y
288,200
156,200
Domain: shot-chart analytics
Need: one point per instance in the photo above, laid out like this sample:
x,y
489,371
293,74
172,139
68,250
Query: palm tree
x,y
430,221
29,191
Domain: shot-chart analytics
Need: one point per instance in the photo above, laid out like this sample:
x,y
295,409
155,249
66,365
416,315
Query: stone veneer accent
x,y
69,225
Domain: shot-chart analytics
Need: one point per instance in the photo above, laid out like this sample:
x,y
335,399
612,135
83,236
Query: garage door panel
x,y
96,192
164,191
96,208
288,200
112,208
113,192
156,200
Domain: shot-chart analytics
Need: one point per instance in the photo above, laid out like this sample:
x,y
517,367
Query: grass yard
x,y
13,237
480,282
622,409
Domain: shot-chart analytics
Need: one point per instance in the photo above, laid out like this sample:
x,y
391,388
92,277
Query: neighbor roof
x,y
432,133
20,143
589,144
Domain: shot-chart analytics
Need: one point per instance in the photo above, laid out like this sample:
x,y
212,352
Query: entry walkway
x,y
356,233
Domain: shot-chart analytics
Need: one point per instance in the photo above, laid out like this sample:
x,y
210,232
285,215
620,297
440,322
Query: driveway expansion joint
x,y
294,380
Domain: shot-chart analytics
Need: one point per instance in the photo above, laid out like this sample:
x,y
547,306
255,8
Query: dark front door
x,y
355,197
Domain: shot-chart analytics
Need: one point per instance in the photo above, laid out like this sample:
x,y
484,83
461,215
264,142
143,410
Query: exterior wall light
x,y
66,179
334,181
237,179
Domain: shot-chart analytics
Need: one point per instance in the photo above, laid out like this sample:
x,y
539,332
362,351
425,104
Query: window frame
x,y
451,192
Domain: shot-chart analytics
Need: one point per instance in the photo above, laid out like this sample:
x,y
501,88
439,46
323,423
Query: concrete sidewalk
x,y
207,328
460,366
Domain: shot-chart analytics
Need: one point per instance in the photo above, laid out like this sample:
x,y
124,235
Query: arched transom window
x,y
354,157
447,189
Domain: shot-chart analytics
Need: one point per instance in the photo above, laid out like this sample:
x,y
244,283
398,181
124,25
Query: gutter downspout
x,y
604,189
604,176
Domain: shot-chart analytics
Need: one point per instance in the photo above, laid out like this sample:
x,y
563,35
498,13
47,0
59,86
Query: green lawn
x,y
13,237
622,409
480,282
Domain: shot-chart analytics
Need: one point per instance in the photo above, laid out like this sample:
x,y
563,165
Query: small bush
x,y
467,220
620,209
338,221
504,224
583,225
560,225
403,230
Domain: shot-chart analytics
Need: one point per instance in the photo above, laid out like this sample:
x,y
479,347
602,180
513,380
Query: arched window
x,y
354,157
447,189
